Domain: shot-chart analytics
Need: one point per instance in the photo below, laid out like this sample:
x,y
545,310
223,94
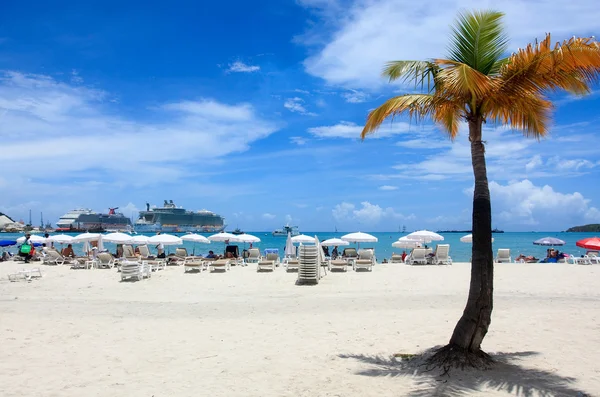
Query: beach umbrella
x,y
7,243
290,250
86,237
247,238
332,242
223,236
61,239
139,239
406,244
303,238
469,238
195,238
165,239
592,243
34,239
425,236
118,238
549,241
359,237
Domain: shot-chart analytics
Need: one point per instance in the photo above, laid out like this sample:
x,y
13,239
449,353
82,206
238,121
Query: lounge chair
x,y
366,260
105,259
417,256
193,263
442,255
53,257
396,258
219,264
137,270
291,264
128,251
253,255
25,274
503,256
341,264
269,263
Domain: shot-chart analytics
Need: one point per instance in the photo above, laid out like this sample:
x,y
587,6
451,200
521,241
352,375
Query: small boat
x,y
293,230
237,231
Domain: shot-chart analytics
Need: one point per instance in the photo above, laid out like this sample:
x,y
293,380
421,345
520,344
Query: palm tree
x,y
479,84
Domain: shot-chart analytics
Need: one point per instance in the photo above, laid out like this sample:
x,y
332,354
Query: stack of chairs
x,y
135,269
309,269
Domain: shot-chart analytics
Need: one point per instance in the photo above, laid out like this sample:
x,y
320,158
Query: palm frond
x,y
419,72
526,112
461,80
571,65
416,106
479,40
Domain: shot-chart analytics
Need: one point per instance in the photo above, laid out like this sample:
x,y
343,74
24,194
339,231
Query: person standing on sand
x,y
27,251
160,249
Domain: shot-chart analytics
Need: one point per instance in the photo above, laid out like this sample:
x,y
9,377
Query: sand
x,y
243,333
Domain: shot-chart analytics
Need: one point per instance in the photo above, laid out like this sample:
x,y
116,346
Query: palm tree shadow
x,y
506,375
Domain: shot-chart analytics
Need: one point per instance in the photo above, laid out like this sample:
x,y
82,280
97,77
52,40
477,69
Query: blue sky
x,y
253,110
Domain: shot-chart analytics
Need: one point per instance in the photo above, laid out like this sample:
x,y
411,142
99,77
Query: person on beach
x,y
211,255
160,249
68,251
335,253
27,250
119,253
403,255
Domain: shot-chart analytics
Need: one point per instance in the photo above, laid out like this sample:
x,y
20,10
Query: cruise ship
x,y
293,230
83,219
170,218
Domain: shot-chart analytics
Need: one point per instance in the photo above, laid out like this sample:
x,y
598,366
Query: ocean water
x,y
519,243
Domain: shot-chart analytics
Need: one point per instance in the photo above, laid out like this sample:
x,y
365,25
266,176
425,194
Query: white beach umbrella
x,y
290,250
139,239
359,237
118,238
247,238
223,236
165,239
61,239
406,244
303,238
332,242
34,239
195,238
469,238
425,236
86,237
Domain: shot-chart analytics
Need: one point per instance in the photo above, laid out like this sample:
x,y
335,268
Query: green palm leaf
x,y
479,41
420,72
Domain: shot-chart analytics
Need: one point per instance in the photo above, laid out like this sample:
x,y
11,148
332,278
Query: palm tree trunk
x,y
473,325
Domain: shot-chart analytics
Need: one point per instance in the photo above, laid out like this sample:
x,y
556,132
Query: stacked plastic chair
x,y
309,266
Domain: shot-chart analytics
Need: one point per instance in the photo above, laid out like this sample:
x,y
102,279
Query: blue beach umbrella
x,y
7,243
549,241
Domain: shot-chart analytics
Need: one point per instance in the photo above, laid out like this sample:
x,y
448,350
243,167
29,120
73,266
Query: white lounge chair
x,y
396,258
219,264
269,263
442,255
253,255
105,259
503,256
137,270
417,256
291,264
25,274
366,260
193,264
340,264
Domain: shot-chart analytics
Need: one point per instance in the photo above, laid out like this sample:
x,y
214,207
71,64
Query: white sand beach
x,y
242,333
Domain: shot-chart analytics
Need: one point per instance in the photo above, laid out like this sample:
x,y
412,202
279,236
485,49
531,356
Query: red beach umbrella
x,y
592,243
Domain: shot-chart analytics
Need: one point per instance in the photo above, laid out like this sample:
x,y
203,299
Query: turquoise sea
x,y
519,243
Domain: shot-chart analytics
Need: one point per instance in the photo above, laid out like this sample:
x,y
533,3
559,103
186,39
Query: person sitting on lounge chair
x,y
211,255
68,252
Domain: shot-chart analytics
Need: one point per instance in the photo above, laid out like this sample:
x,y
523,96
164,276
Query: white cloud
x,y
50,129
354,45
298,140
298,90
241,67
354,96
388,187
288,219
129,210
296,105
268,216
345,129
562,164
424,143
522,202
535,162
368,214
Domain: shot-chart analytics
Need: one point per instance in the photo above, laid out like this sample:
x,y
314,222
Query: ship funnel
x,y
147,206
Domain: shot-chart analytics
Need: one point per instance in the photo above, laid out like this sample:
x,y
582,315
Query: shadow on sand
x,y
506,375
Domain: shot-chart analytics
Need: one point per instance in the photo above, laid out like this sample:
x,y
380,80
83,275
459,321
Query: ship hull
x,y
157,227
